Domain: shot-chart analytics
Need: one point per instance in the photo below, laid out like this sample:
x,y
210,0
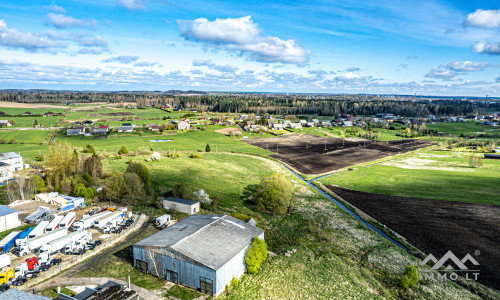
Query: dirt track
x,y
311,154
436,226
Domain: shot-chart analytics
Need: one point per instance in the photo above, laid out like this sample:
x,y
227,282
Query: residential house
x,y
295,125
183,125
5,123
98,130
155,128
203,252
326,124
310,124
126,127
87,123
347,123
27,113
48,114
75,131
13,159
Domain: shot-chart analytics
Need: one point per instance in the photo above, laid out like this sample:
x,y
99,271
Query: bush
x,y
89,149
182,190
235,282
275,194
409,278
256,255
123,150
142,171
207,148
38,184
193,155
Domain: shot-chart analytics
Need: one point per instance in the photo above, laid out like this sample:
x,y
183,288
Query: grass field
x,y
336,257
442,175
35,111
455,129
42,121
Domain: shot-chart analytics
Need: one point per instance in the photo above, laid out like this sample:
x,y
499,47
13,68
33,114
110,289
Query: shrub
x,y
2,141
38,184
89,149
275,194
235,282
256,255
123,150
13,141
182,190
207,148
409,278
193,155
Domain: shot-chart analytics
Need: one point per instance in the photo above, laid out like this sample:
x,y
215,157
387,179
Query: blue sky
x,y
389,47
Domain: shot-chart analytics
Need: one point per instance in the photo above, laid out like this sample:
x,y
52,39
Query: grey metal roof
x,y
5,210
208,240
13,294
180,200
9,155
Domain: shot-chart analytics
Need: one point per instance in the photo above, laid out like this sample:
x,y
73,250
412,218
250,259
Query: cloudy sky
x,y
390,47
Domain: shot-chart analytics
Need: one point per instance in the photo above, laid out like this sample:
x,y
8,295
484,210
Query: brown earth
x,y
436,226
311,154
228,130
28,105
25,209
115,114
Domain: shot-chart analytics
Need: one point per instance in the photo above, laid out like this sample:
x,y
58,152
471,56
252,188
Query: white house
x,y
182,205
9,218
13,159
295,126
183,125
5,172
5,123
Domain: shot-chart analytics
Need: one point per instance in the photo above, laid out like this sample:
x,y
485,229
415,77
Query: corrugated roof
x,y
180,200
13,294
209,240
5,210
9,155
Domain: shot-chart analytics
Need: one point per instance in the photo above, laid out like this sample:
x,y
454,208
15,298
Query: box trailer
x,y
4,260
104,220
38,230
8,242
68,220
54,224
162,221
60,243
87,222
33,244
23,236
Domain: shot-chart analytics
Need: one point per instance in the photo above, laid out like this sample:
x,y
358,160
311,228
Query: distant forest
x,y
322,105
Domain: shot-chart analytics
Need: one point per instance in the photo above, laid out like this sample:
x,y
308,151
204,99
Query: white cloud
x,y
466,66
132,4
57,8
443,74
62,21
483,18
211,65
11,38
486,47
126,59
147,64
242,35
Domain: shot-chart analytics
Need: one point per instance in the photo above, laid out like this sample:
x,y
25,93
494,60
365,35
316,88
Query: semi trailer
x,y
8,242
54,224
87,222
38,230
60,243
32,244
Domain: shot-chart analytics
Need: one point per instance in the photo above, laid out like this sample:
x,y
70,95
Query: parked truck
x,y
23,236
60,243
162,221
104,220
79,246
68,220
38,230
54,224
6,279
32,244
8,242
87,222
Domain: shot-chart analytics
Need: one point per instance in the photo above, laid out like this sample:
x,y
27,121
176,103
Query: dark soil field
x,y
311,154
436,226
115,114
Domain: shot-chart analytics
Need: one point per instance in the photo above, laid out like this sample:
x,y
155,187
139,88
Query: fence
x,y
75,259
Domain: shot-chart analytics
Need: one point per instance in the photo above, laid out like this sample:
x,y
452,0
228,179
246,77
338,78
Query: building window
x,y
141,265
171,276
207,286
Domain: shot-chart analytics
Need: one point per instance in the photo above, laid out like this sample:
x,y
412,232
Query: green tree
x,y
182,190
409,278
274,194
123,150
89,149
93,166
116,187
134,189
83,191
142,171
38,184
256,255
207,148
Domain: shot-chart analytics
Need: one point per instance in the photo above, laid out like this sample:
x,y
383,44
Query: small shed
x,y
182,205
203,252
9,218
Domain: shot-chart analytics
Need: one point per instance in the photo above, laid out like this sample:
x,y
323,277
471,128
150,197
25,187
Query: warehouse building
x,y
182,205
9,218
203,252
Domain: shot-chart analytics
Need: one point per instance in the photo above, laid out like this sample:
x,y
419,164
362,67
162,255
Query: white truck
x,y
59,244
110,226
54,224
39,230
104,220
162,221
78,247
87,222
4,260
33,244
68,220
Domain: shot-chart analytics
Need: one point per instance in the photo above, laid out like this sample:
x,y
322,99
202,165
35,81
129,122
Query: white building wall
x,y
9,221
